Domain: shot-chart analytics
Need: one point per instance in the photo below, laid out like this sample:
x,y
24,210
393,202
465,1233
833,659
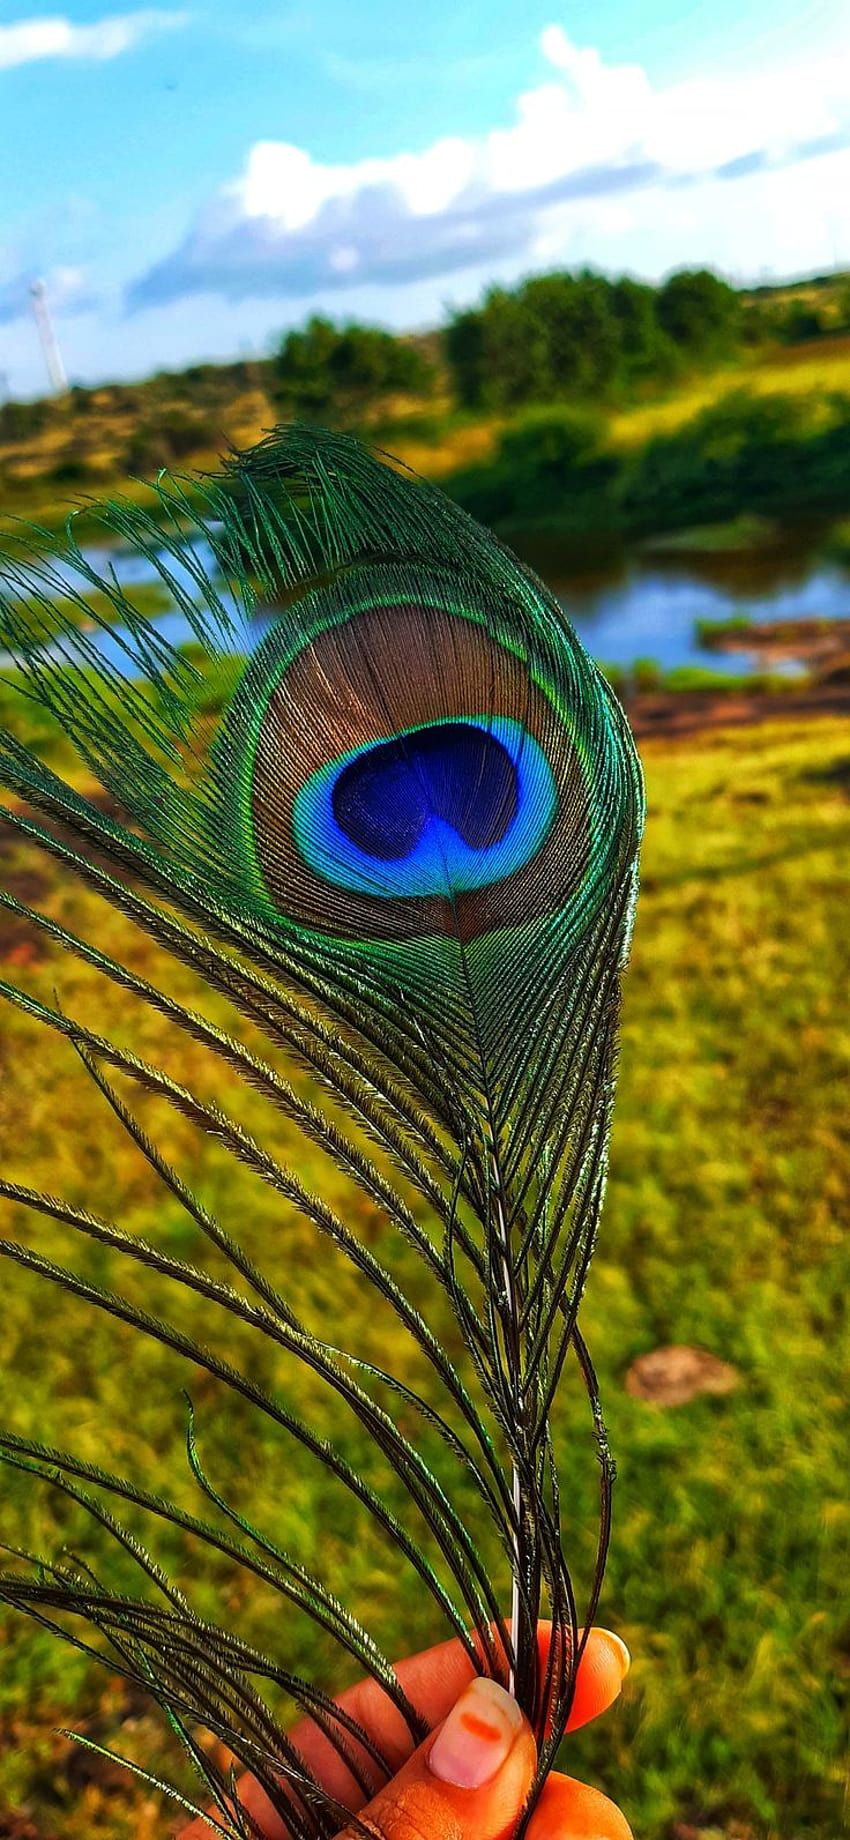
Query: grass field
x,y
725,1228
805,370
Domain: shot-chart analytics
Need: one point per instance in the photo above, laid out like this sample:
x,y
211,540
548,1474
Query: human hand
x,y
470,1778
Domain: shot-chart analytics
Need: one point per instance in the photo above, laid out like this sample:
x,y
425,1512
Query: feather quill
x,y
386,806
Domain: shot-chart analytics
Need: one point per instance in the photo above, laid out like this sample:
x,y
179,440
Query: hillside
x,y
792,339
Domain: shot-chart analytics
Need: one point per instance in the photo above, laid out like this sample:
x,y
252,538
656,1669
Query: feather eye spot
x,y
418,759
438,810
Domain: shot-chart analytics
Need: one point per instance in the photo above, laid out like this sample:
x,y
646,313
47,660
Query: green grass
x,y
811,370
647,677
712,633
730,1183
736,536
838,544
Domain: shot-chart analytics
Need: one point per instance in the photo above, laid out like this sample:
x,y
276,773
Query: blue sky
x,y
191,179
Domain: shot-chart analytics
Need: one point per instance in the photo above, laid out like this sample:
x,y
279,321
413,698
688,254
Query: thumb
x,y
468,1781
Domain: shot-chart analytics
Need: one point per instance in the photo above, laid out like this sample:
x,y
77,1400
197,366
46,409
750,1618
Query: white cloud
x,y
53,36
593,152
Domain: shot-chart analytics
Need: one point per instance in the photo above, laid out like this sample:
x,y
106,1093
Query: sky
x,y
190,180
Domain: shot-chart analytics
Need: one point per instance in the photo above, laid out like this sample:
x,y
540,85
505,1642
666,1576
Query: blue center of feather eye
x,y
384,798
440,809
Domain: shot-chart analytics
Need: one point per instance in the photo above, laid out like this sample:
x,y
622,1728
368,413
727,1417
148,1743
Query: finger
x,y
433,1681
467,1782
570,1810
601,1672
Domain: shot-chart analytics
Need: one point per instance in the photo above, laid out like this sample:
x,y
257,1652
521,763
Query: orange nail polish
x,y
477,1736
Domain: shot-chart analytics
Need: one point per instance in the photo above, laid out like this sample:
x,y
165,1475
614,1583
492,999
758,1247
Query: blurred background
x,y
590,269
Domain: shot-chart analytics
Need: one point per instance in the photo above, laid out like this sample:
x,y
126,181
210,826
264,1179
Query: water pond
x,y
643,603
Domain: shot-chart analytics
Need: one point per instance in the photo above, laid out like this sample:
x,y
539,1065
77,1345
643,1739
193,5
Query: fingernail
x,y
477,1736
623,1657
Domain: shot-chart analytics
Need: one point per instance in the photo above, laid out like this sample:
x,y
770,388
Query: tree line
x,y
582,336
578,337
573,336
581,340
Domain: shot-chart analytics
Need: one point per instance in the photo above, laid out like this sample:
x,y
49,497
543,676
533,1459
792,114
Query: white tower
x,y
49,341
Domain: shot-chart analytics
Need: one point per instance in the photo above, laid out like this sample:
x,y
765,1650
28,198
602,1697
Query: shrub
x,y
699,312
583,336
19,421
746,453
173,436
334,373
552,466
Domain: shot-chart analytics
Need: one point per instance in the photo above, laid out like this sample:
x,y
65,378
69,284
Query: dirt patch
x,y
674,1375
27,885
683,712
21,943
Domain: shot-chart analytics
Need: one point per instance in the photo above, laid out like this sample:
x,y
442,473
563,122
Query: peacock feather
x,y
377,797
